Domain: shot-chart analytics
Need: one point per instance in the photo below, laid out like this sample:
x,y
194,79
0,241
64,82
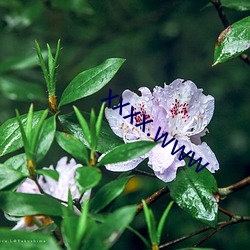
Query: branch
x,y
152,198
185,237
223,192
226,23
235,220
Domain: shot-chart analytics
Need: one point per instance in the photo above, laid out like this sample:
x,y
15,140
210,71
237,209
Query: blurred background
x,y
161,41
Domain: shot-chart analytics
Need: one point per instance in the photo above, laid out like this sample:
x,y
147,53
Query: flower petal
x,y
203,151
189,110
29,187
164,163
126,165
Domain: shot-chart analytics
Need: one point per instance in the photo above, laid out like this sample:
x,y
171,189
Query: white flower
x,y
58,189
181,110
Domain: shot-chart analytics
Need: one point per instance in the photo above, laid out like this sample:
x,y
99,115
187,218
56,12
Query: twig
x,y
224,211
204,229
144,173
223,192
235,220
226,23
42,192
152,198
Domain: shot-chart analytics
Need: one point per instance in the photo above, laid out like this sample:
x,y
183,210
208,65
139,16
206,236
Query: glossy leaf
x,y
241,5
194,194
8,176
10,136
127,152
105,235
107,138
73,146
84,125
20,204
53,174
16,240
108,193
46,137
233,41
18,162
90,81
87,177
19,90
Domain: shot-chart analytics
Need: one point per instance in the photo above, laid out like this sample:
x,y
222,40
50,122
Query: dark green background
x,y
162,41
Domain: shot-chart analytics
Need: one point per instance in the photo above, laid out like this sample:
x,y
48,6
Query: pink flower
x,y
180,109
58,189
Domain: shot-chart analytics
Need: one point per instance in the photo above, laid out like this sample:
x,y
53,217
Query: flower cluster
x,y
58,189
180,110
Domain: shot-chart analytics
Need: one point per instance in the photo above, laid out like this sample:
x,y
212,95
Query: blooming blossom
x,y
58,189
182,110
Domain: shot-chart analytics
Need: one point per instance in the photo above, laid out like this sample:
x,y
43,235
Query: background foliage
x,y
161,41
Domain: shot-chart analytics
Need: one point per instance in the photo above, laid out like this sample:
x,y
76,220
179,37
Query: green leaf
x,y
87,177
90,81
43,65
108,193
99,121
105,235
73,146
8,176
46,137
82,223
84,125
20,204
107,139
193,192
162,221
233,41
74,228
143,239
92,127
69,230
10,136
151,223
18,162
241,5
53,174
16,240
127,152
19,90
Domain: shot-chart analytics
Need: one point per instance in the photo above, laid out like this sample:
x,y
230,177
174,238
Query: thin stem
x,y
42,192
226,23
224,211
144,173
235,220
223,192
185,237
152,198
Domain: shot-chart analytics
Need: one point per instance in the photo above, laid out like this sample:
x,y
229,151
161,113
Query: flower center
x,y
180,110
